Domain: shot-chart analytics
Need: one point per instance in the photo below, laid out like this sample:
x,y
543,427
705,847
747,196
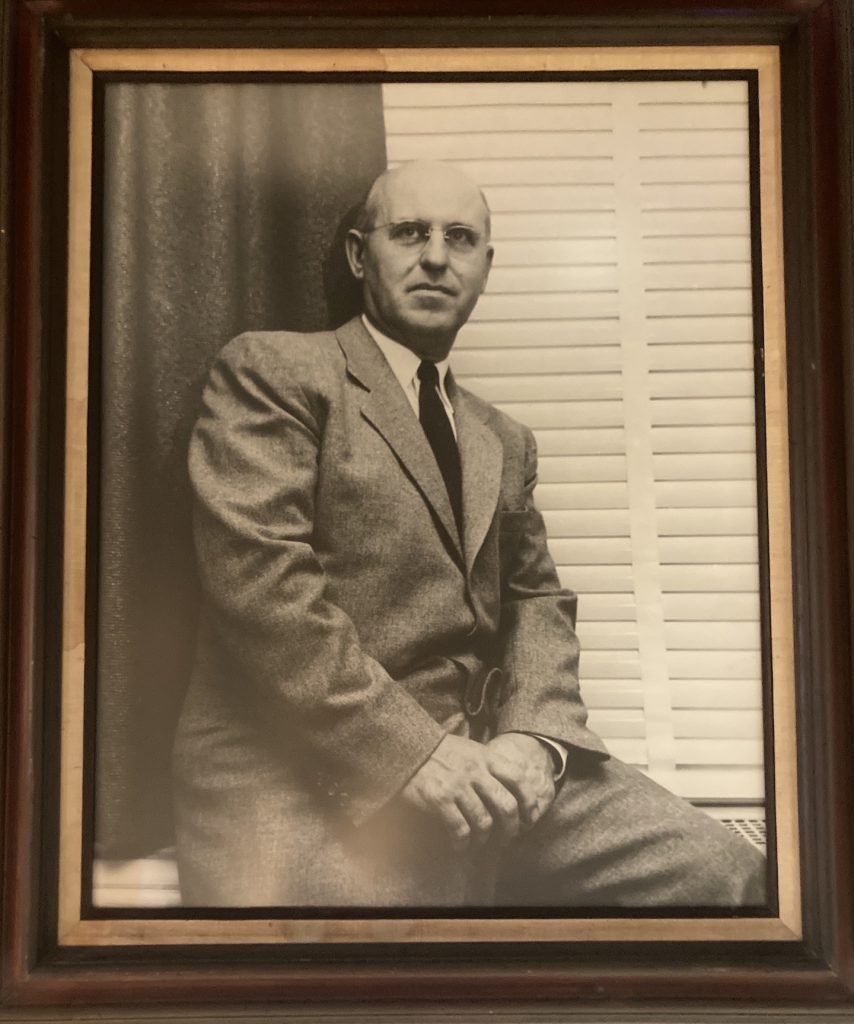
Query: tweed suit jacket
x,y
345,620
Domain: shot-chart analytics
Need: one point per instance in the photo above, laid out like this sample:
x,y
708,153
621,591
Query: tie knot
x,y
428,374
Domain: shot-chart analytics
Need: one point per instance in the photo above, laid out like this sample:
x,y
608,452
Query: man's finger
x,y
456,825
475,813
502,805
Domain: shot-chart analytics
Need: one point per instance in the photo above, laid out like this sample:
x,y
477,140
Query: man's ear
x,y
490,252
354,246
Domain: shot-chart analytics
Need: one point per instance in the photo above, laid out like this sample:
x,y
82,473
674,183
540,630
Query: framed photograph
x,y
428,566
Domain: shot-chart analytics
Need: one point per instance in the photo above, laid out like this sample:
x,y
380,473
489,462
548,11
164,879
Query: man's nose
x,y
435,251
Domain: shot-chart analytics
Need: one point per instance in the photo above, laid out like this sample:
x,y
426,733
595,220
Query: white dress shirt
x,y
404,365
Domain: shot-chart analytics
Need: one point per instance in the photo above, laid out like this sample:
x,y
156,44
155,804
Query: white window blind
x,y
617,324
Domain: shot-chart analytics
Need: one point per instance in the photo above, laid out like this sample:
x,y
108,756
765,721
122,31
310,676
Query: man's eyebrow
x,y
424,220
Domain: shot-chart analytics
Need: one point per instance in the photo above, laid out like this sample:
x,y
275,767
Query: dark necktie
x,y
440,434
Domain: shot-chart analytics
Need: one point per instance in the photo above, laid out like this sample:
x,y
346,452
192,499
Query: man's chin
x,y
431,337
432,316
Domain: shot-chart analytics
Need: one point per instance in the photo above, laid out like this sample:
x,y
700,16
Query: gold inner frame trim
x,y
72,929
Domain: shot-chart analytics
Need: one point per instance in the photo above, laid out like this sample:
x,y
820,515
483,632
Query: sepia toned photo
x,y
434,529
426,515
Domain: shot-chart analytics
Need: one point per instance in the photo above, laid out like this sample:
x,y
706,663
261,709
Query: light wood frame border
x,y
72,930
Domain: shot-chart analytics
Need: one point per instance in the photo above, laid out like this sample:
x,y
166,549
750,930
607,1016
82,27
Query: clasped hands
x,y
477,791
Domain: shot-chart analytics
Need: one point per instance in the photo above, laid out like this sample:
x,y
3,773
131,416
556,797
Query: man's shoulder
x,y
293,354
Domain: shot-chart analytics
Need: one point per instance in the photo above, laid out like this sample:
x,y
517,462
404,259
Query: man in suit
x,y
385,708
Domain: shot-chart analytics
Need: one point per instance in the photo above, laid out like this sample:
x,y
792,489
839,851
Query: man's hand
x,y
525,766
456,785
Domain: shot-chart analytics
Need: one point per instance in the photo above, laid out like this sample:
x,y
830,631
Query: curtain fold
x,y
224,209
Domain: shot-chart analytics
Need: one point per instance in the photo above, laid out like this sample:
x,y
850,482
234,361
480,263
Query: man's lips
x,y
432,288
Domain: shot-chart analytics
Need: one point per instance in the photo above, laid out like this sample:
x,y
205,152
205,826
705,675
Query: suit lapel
x,y
385,406
482,459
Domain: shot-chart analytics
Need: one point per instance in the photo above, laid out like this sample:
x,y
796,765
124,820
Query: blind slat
x,y
698,224
555,306
676,440
694,578
584,224
629,751
716,724
700,302
724,635
592,551
702,694
567,359
590,580
686,116
706,494
605,608
566,414
579,523
541,171
610,665
622,724
720,784
509,144
607,441
514,198
701,357
592,495
456,94
582,469
687,522
705,466
669,253
608,636
660,143
711,607
690,550
734,752
541,280
704,384
676,169
544,333
684,330
696,411
723,273
517,117
612,693
703,664
690,196
566,387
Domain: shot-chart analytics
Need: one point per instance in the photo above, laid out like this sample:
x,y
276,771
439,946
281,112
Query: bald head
x,y
414,176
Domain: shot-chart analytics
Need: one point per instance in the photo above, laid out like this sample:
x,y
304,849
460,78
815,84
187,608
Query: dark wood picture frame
x,y
540,980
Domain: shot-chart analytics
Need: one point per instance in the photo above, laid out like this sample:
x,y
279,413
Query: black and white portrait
x,y
432,556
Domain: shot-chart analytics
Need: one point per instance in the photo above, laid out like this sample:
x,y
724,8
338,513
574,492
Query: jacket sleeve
x,y
296,655
540,649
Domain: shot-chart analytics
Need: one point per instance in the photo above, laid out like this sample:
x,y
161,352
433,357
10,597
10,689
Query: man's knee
x,y
614,838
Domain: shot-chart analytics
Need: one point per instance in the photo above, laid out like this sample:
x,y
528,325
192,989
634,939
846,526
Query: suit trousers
x,y
614,838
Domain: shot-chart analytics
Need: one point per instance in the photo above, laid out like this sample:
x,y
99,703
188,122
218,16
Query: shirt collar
x,y
403,361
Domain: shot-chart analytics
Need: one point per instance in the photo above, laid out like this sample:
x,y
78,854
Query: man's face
x,y
420,290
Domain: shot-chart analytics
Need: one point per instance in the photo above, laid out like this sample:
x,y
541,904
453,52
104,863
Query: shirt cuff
x,y
560,752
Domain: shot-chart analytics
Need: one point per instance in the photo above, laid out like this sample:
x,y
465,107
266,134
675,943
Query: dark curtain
x,y
224,210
